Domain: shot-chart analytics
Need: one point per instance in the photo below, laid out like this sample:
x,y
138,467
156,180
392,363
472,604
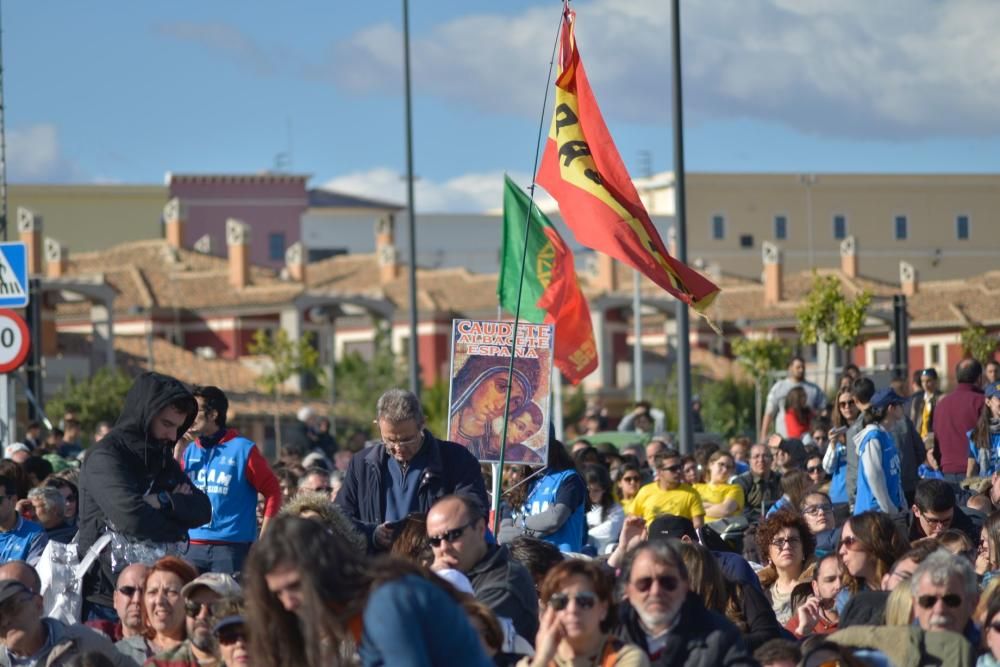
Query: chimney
x,y
907,278
56,258
203,244
173,219
607,277
238,240
385,249
295,260
849,257
29,225
772,273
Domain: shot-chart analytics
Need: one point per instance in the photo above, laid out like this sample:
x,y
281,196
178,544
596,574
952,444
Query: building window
x,y
935,354
780,227
900,228
276,246
839,227
718,227
962,227
746,240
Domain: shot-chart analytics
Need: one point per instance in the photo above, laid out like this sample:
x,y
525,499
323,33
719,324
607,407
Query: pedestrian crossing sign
x,y
13,275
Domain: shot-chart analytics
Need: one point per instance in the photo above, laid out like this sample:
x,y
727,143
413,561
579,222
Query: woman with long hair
x,y
720,498
835,458
880,485
605,518
988,553
984,439
577,618
163,621
817,510
629,484
798,414
869,544
991,635
313,601
786,547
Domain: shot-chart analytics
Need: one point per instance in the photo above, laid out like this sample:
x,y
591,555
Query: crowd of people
x,y
865,529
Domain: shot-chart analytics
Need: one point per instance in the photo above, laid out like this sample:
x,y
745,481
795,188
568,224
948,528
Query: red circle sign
x,y
15,341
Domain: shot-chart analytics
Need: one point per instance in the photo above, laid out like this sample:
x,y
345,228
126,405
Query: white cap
x,y
14,448
456,579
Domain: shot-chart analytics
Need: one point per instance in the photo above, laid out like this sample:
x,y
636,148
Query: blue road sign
x,y
13,275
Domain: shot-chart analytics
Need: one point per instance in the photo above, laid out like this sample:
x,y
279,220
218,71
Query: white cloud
x,y
34,155
228,39
845,68
470,192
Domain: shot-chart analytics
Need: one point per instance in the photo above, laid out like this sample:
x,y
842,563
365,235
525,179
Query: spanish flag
x,y
582,170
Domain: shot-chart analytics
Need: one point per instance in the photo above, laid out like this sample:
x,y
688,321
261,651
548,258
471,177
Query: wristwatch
x,y
165,502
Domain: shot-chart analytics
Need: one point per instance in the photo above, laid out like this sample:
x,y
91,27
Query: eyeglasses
x,y
630,480
409,442
952,600
232,634
812,470
583,600
449,536
724,464
850,541
902,576
318,489
761,457
129,591
822,508
845,404
781,543
934,521
666,582
676,468
193,609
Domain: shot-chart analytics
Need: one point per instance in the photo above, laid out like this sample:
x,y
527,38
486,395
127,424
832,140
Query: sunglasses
x,y
845,404
677,467
319,489
994,626
952,600
850,541
781,543
193,609
630,480
812,470
584,600
666,582
232,634
129,591
449,536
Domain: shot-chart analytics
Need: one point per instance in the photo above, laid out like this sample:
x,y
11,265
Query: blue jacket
x,y
450,469
994,453
26,541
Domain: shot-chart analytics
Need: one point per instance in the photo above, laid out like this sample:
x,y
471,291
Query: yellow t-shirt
x,y
717,493
652,501
627,505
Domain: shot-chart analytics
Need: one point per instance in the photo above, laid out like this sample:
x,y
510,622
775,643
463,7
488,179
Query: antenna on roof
x,y
283,161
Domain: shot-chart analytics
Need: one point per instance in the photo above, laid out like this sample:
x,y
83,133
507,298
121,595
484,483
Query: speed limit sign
x,y
14,341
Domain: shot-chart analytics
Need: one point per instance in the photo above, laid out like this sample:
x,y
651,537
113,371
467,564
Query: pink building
x,y
271,204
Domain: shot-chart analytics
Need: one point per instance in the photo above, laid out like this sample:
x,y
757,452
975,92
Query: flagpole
x,y
410,208
637,380
683,324
498,483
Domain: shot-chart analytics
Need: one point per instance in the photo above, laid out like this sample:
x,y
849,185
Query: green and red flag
x,y
581,168
551,292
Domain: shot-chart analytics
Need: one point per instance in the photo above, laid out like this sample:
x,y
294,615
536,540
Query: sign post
x,y
14,345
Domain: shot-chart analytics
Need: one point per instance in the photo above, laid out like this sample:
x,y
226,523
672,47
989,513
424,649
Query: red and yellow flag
x,y
581,168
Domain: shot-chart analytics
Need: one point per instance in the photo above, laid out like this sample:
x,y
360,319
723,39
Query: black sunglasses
x,y
666,582
630,479
952,600
584,600
449,536
231,634
193,609
677,467
129,591
814,469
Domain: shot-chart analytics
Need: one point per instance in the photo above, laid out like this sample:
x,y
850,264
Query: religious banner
x,y
480,368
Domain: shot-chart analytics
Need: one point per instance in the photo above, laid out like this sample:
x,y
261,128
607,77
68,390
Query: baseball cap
x,y
928,373
671,526
883,398
992,389
217,582
228,621
11,587
14,448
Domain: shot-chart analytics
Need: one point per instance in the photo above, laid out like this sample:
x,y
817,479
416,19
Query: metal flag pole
x,y
683,323
637,379
411,215
3,143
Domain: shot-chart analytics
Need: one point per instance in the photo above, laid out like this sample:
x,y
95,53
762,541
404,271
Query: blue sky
x,y
124,91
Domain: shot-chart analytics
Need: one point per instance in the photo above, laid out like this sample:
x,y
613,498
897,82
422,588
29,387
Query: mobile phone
x,y
837,431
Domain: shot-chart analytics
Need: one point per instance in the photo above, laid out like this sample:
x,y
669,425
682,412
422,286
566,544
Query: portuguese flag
x,y
551,292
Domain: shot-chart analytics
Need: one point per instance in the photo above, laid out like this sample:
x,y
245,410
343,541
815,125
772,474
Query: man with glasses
x,y
232,472
456,530
406,471
315,480
761,486
128,604
670,623
667,494
29,638
20,539
935,510
200,648
945,593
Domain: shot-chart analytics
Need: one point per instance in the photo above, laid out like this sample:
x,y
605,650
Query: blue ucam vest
x,y
221,472
569,537
994,454
838,483
865,499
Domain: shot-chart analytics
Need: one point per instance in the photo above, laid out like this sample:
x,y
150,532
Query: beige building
x,y
90,217
945,226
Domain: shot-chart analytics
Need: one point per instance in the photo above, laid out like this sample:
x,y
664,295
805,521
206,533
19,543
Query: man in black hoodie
x,y
131,482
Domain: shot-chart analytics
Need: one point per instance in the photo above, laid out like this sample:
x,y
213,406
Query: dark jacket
x,y
450,469
757,491
701,638
506,587
762,624
955,415
911,453
127,465
916,408
959,521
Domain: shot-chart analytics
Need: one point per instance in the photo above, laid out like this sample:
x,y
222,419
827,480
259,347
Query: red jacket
x,y
955,415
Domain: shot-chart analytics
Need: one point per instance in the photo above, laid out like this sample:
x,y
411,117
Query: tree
x,y
287,358
359,382
978,345
829,317
760,357
727,407
95,399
